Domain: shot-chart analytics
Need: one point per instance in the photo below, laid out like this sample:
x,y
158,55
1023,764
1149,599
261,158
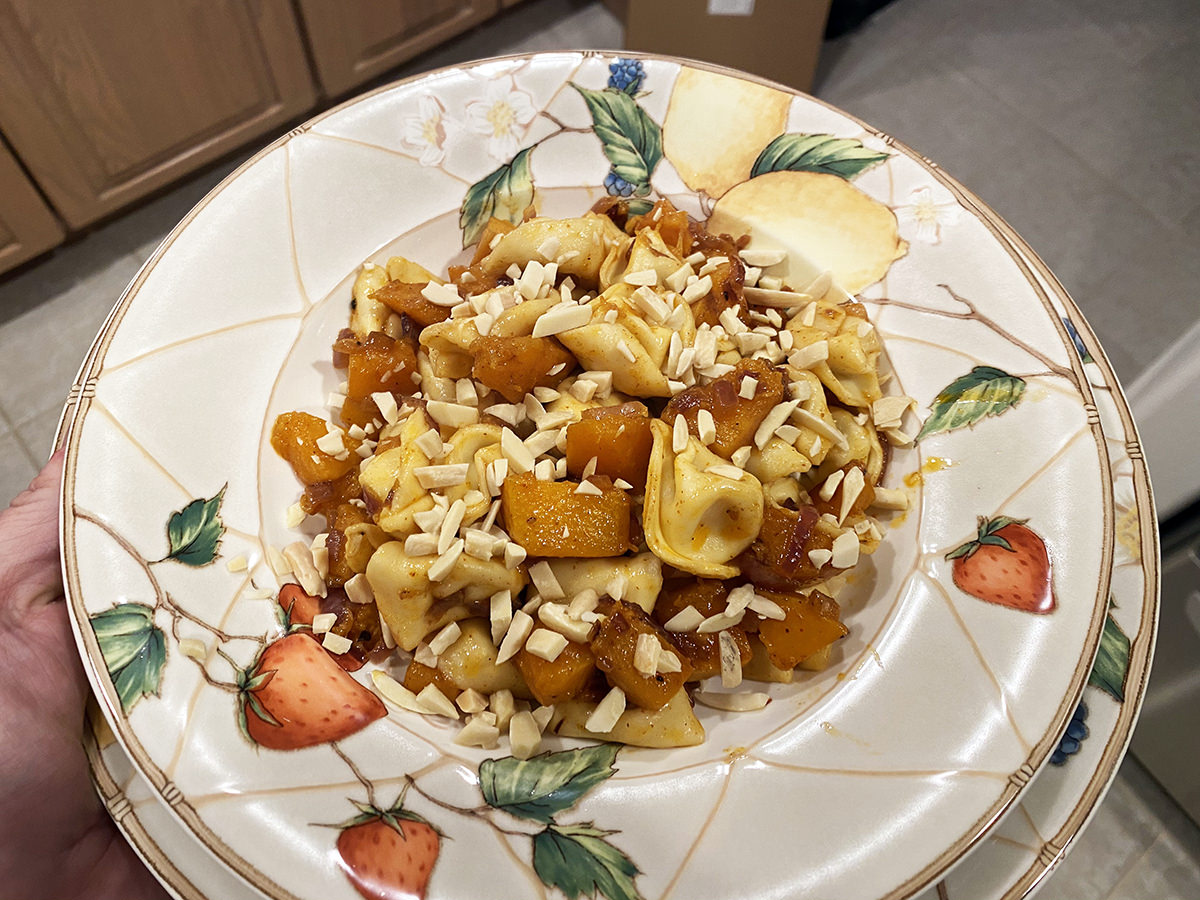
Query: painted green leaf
x,y
506,193
539,788
632,141
825,153
133,648
1112,661
578,861
194,532
984,391
638,207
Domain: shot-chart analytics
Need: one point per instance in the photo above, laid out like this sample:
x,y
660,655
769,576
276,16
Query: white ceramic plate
x,y
874,776
1009,864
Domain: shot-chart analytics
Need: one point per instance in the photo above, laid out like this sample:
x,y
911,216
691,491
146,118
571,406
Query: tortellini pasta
x,y
850,371
413,606
640,577
620,340
389,479
584,246
695,519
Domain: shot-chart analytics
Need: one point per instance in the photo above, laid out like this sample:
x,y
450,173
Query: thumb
x,y
29,561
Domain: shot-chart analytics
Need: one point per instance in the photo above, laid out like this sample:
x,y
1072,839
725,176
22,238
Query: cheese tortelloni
x,y
413,606
368,314
434,387
862,446
389,479
640,575
817,429
777,459
608,345
850,372
518,320
650,253
569,403
448,344
477,445
400,268
694,519
584,246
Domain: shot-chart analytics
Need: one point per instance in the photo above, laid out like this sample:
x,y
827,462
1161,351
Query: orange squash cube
x,y
615,645
811,623
549,518
294,437
560,680
736,418
619,437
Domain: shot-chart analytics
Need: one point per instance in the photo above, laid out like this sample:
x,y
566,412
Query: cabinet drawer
x,y
354,40
27,226
103,102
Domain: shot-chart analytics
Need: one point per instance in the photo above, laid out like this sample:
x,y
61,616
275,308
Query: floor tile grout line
x,y
1065,149
20,441
1128,870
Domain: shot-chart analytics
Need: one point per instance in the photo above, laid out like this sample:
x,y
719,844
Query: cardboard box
x,y
777,39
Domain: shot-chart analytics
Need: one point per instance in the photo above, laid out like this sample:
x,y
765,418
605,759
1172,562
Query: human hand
x,y
56,840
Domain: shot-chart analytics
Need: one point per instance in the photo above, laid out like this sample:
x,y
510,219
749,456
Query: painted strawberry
x,y
388,854
1006,564
298,609
297,606
296,695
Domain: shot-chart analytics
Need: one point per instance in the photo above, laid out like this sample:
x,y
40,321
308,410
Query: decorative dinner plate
x,y
1011,862
868,779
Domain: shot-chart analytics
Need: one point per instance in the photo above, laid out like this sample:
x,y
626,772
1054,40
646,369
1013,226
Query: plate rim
x,y
947,857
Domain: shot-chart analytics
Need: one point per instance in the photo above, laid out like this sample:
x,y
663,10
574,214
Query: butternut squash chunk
x,y
703,651
811,623
549,518
620,439
736,418
406,299
615,643
514,366
294,437
560,680
779,558
419,676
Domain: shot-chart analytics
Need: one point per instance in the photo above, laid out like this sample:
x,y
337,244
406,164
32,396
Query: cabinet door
x,y
27,227
103,102
354,40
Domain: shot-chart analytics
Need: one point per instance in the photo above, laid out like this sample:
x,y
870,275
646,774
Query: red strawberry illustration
x,y
388,854
1006,564
299,610
299,606
296,695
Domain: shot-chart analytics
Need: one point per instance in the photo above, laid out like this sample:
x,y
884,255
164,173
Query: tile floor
x,y
1077,120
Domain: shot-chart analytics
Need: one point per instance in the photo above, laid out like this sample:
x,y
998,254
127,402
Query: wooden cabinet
x,y
354,40
27,226
103,102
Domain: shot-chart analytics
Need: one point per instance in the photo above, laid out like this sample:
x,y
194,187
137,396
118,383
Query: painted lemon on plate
x,y
824,222
748,116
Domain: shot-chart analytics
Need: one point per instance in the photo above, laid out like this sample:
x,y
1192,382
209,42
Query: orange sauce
x,y
933,464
